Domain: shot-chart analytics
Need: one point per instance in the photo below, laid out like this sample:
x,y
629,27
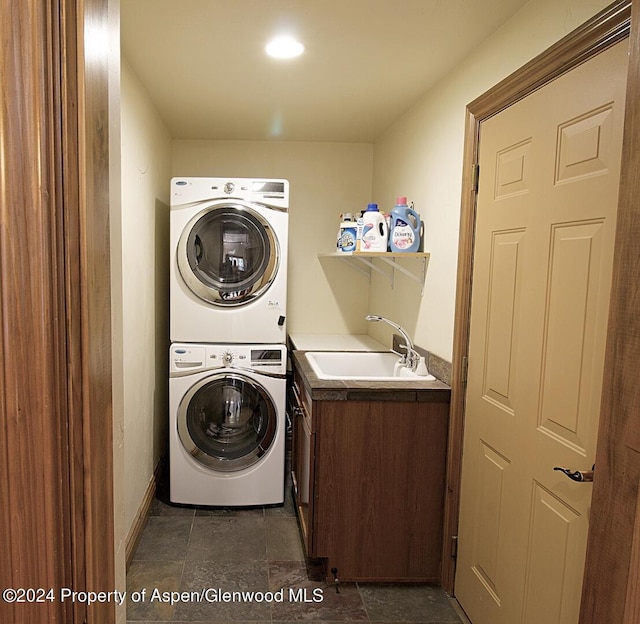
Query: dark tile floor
x,y
190,550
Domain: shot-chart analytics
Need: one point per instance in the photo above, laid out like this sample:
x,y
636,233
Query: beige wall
x,y
146,154
420,156
326,180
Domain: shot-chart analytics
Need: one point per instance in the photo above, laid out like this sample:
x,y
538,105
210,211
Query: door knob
x,y
582,476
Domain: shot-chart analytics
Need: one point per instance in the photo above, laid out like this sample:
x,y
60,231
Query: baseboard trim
x,y
135,533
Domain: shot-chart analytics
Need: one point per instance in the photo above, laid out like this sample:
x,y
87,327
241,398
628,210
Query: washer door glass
x,y
227,422
228,254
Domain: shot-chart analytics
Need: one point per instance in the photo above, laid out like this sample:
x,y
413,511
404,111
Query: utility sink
x,y
361,366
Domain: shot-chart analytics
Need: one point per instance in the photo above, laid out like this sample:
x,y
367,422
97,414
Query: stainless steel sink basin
x,y
363,366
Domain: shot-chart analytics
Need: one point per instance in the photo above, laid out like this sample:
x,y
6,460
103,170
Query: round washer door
x,y
227,422
228,254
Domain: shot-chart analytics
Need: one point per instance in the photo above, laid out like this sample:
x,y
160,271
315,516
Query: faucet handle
x,y
413,358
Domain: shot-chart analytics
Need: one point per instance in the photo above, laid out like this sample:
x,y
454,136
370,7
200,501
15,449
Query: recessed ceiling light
x,y
284,48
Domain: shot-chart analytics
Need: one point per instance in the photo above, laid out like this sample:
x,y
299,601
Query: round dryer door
x,y
228,254
227,422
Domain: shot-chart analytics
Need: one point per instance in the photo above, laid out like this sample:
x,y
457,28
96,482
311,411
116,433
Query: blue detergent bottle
x,y
404,232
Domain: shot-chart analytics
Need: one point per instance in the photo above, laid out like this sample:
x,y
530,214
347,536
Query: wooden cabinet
x,y
369,479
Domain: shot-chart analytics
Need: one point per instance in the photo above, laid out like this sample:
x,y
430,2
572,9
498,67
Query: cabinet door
x,y
380,469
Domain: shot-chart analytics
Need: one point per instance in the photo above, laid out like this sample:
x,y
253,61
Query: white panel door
x,y
546,212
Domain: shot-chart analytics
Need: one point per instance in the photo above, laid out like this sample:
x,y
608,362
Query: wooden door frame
x,y
602,31
611,589
56,449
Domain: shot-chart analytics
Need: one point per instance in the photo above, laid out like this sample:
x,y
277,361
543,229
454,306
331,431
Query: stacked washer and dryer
x,y
227,362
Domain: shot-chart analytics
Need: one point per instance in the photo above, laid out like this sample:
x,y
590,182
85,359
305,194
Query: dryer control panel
x,y
270,192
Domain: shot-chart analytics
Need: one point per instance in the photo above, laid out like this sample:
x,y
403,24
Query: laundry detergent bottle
x,y
347,233
405,227
375,231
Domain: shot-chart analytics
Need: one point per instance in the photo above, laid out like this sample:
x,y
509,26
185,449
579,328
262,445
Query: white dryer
x,y
227,424
228,278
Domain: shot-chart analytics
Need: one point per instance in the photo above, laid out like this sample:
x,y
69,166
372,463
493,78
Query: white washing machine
x,y
227,424
228,278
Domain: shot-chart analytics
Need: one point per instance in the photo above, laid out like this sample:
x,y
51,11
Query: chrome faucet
x,y
409,359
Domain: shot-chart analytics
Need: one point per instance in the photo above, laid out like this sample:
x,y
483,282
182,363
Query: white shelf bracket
x,y
416,278
372,266
357,268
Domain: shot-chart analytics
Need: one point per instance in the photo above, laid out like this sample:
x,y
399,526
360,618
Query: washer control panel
x,y
189,358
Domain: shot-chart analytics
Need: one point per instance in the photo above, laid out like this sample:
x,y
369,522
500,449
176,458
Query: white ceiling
x,y
366,62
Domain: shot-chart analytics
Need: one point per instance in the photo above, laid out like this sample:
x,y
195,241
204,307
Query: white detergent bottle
x,y
405,227
375,232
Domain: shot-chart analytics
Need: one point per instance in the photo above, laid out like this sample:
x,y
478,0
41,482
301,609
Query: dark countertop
x,y
350,390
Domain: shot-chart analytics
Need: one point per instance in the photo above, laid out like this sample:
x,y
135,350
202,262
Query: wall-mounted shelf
x,y
363,262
